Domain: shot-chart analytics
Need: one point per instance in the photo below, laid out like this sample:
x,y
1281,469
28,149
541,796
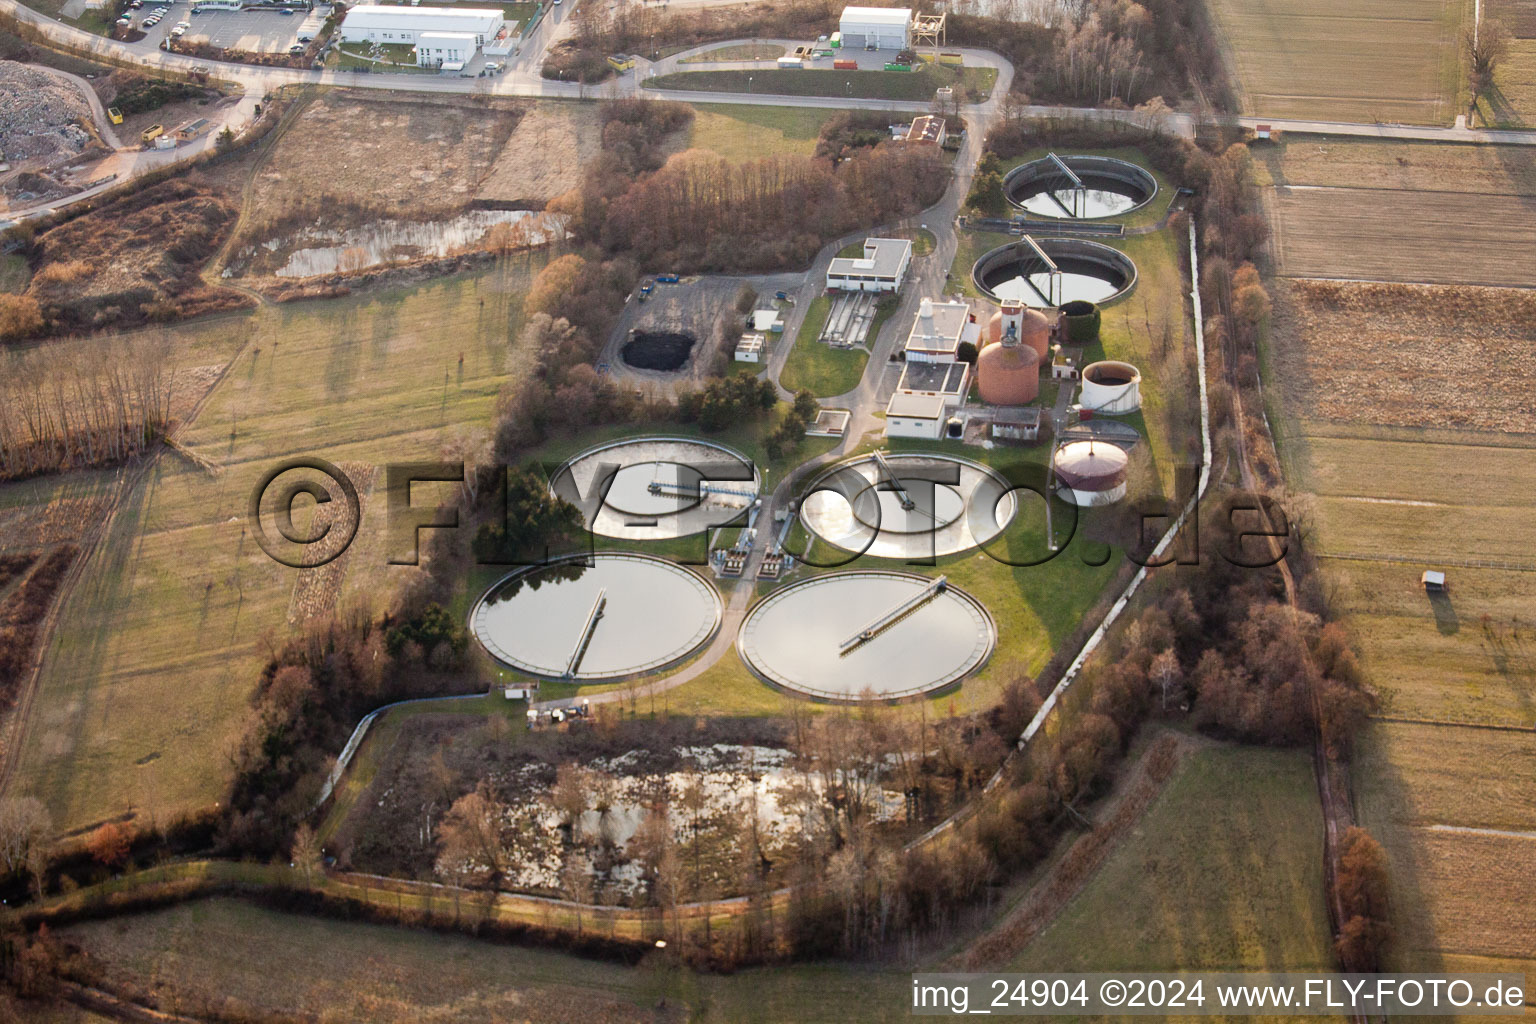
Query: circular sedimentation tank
x,y
907,506
1090,272
1110,188
592,619
658,488
846,635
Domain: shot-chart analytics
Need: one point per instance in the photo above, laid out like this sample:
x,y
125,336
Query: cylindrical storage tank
x,y
1091,473
1025,325
1110,386
1008,373
1080,321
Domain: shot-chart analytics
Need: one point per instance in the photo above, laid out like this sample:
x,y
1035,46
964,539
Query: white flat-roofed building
x,y
464,29
909,414
882,268
937,331
750,348
444,47
880,28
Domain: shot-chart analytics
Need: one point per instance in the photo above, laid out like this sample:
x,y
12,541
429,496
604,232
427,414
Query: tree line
x,y
95,403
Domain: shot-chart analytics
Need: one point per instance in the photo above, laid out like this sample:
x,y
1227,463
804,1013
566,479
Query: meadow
x,y
1224,872
159,647
1360,60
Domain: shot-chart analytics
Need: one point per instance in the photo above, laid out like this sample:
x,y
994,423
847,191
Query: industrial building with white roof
x,y
877,28
440,35
882,268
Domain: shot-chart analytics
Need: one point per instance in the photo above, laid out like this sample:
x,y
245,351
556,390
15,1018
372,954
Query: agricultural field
x,y
1223,872
1403,414
1513,104
1362,60
1415,212
358,381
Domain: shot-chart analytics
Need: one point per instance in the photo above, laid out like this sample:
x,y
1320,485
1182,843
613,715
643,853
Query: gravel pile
x,y
40,116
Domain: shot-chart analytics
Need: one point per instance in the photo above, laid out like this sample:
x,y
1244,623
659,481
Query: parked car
x,y
124,22
296,48
492,66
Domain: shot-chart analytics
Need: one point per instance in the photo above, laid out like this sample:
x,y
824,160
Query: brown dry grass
x,y
1396,164
1407,355
1519,16
1394,235
1355,60
1472,894
410,156
1447,775
545,156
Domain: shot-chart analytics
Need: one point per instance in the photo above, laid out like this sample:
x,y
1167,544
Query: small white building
x,y
750,348
766,321
937,331
433,31
876,28
909,414
882,268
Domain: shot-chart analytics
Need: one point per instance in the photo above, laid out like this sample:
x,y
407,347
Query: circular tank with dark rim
x,y
1111,188
1090,272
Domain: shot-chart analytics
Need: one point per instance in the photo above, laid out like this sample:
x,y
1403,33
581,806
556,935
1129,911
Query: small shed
x,y
1261,131
1434,582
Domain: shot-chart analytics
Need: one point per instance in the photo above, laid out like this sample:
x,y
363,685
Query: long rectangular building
x,y
439,33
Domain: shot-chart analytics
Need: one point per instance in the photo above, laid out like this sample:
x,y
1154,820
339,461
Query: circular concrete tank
x,y
1090,272
1091,473
1110,386
1110,188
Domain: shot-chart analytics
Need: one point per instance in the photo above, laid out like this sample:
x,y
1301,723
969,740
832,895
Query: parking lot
x,y
251,30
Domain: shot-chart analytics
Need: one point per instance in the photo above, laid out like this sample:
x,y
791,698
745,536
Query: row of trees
x,y
95,403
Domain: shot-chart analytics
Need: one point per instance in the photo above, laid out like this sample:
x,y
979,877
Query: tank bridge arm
x,y
907,504
1077,183
585,640
704,490
895,615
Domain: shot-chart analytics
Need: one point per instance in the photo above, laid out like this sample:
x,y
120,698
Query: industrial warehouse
x,y
440,35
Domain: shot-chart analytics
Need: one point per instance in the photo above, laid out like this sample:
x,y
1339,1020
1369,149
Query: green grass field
x,y
819,368
203,950
915,85
1361,60
740,132
1224,872
742,51
180,591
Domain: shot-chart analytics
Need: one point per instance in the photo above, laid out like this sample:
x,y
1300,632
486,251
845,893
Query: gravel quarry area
x,y
42,120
